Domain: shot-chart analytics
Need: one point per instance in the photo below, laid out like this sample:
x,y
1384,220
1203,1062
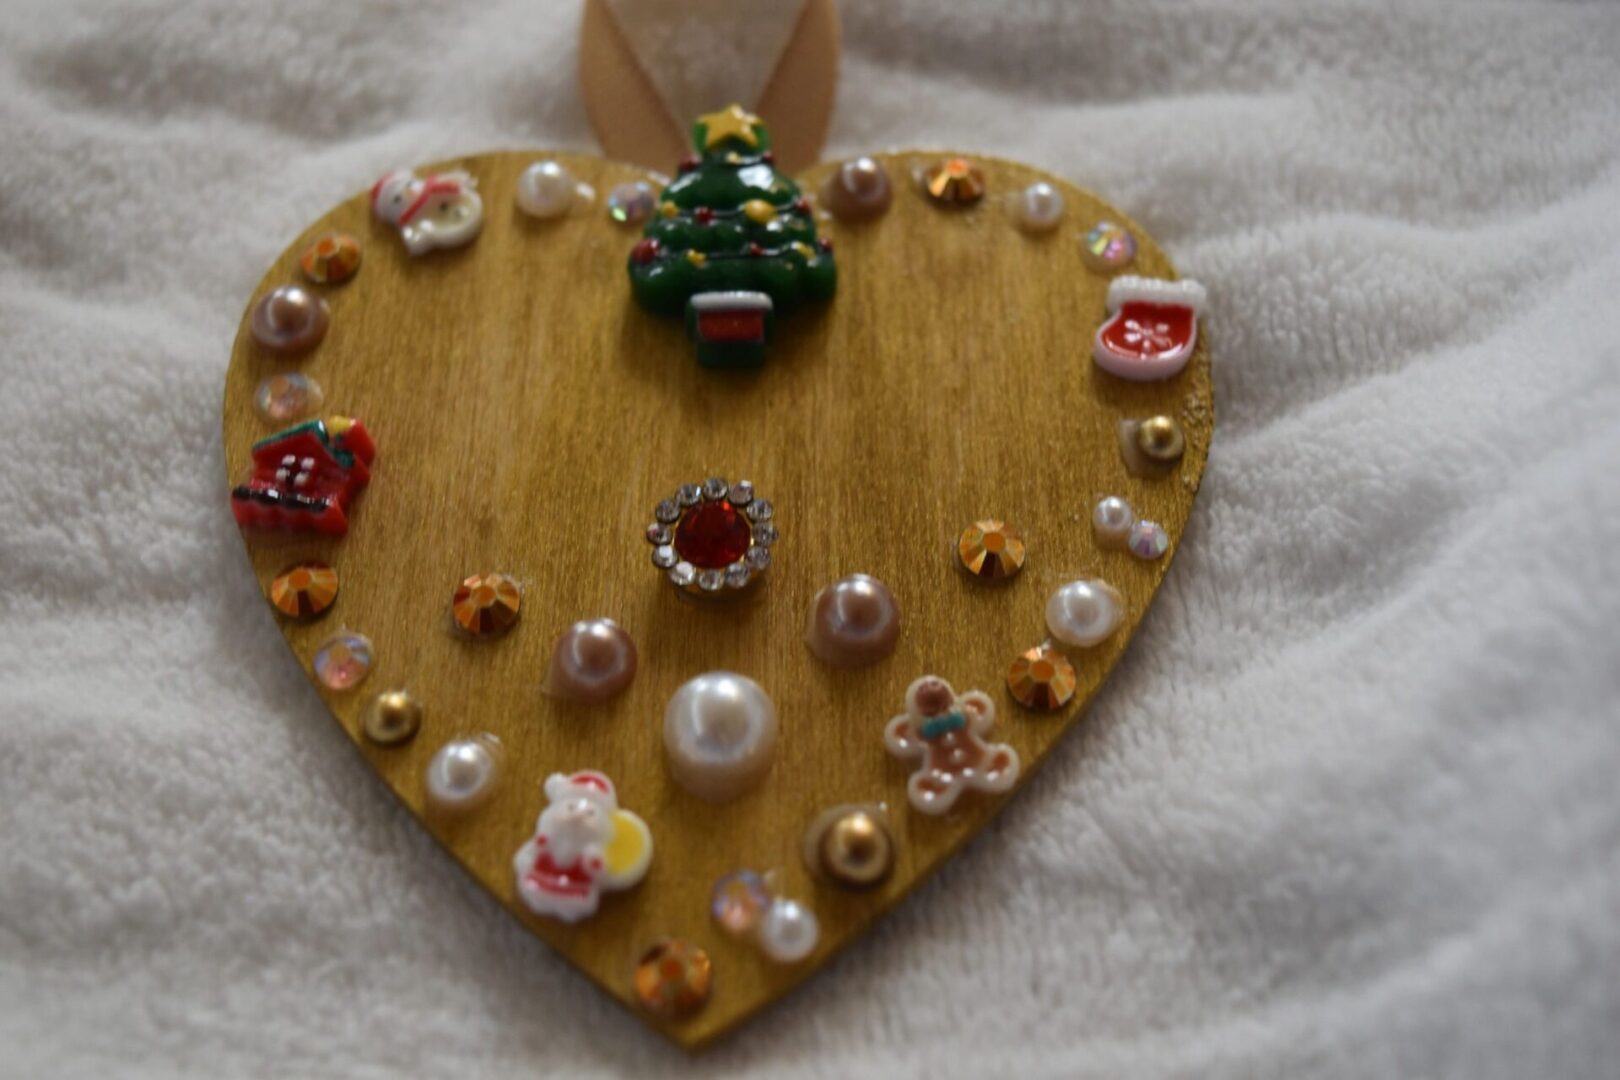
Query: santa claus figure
x,y
440,210
583,844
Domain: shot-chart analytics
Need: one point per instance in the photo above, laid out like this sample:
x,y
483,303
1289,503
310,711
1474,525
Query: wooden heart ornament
x,y
448,453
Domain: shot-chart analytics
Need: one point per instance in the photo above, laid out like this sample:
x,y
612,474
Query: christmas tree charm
x,y
945,734
733,244
304,477
1151,330
584,844
441,210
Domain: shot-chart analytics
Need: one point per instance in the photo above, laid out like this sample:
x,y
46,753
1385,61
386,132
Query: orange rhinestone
x,y
955,181
1042,678
305,590
673,978
991,549
486,604
331,260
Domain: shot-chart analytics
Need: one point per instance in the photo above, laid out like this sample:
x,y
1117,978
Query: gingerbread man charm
x,y
946,733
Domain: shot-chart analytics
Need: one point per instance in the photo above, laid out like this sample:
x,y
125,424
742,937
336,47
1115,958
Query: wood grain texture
x,y
528,416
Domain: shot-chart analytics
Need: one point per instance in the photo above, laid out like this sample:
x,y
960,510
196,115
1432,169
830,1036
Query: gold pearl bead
x,y
1160,439
392,718
856,850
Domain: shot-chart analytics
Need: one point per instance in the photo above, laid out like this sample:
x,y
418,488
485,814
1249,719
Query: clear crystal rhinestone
x,y
688,495
711,580
765,534
683,574
737,574
667,511
742,493
714,488
659,533
664,556
759,558
760,510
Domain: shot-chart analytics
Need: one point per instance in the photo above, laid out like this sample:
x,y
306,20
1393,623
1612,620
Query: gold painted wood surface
x,y
528,416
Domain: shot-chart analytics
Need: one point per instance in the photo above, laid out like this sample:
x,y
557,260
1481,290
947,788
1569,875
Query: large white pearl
x,y
1084,612
462,774
1040,207
719,735
545,190
1112,520
788,931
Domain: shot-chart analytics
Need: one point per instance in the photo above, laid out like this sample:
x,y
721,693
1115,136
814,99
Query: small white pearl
x,y
788,931
719,735
1112,520
1040,207
1084,612
545,190
463,773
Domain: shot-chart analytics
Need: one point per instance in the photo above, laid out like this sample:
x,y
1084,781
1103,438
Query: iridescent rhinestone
x,y
663,556
343,660
688,495
673,979
954,182
282,399
1148,540
667,511
737,574
991,549
1041,678
304,590
331,260
711,580
758,558
761,510
737,902
1107,247
742,493
631,204
659,533
715,487
683,574
765,534
486,605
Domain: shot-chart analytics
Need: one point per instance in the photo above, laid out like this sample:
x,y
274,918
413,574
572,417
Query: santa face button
x,y
584,845
713,538
1152,328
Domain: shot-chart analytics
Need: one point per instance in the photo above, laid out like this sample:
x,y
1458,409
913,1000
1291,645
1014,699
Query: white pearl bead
x,y
545,190
463,773
1112,520
1084,612
1040,207
719,735
788,931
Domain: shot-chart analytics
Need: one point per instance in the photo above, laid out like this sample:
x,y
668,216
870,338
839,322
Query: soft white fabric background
x,y
1347,809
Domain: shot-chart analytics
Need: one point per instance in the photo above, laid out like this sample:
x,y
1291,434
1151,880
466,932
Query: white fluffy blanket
x,y
1348,808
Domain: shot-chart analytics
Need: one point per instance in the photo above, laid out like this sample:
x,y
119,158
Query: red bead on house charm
x,y
304,477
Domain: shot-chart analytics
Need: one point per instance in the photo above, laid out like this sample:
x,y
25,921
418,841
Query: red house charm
x,y
304,477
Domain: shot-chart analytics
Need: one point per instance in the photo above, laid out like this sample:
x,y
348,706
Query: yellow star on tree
x,y
732,122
